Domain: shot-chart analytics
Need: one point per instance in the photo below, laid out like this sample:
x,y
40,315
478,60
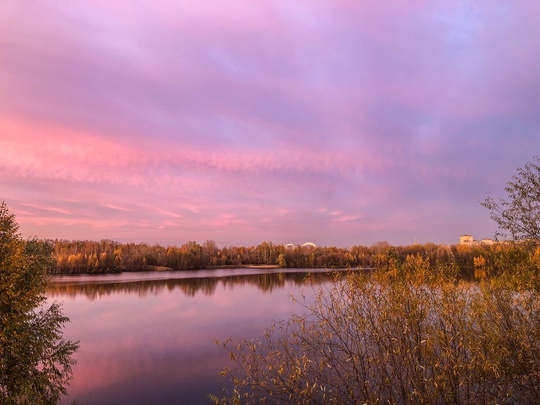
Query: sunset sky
x,y
335,122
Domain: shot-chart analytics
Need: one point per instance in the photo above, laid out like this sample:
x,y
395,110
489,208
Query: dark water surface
x,y
148,337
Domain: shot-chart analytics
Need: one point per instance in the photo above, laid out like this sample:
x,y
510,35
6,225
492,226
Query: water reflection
x,y
148,338
93,288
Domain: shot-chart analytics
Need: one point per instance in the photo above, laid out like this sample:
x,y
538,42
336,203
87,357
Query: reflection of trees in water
x,y
265,282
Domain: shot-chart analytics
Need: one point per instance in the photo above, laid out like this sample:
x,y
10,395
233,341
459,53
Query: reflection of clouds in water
x,y
143,342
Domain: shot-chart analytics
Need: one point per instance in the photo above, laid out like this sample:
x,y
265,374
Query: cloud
x,y
179,120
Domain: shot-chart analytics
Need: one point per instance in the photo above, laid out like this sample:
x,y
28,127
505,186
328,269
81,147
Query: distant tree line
x,y
106,256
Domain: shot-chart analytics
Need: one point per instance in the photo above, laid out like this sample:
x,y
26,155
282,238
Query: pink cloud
x,y
181,116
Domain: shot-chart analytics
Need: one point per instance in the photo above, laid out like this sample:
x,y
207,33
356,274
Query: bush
x,y
407,334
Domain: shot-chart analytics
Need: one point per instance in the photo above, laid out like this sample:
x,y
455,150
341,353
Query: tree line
x,y
106,256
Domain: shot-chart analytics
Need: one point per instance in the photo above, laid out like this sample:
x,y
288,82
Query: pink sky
x,y
340,123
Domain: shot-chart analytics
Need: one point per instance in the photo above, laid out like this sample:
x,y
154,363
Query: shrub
x,y
409,334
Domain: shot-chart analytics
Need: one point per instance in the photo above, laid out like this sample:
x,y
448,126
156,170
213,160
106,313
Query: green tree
x,y
35,361
520,214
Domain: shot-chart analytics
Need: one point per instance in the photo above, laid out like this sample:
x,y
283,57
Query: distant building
x,y
466,240
291,246
469,240
309,244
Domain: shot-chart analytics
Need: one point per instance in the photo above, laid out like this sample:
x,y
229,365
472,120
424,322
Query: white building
x,y
469,240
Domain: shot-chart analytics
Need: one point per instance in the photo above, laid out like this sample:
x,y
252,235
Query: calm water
x,y
148,337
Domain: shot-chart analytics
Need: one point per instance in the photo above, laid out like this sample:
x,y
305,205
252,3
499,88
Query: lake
x,y
149,337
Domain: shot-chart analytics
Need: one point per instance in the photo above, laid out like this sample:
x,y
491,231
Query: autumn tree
x,y
519,216
35,361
